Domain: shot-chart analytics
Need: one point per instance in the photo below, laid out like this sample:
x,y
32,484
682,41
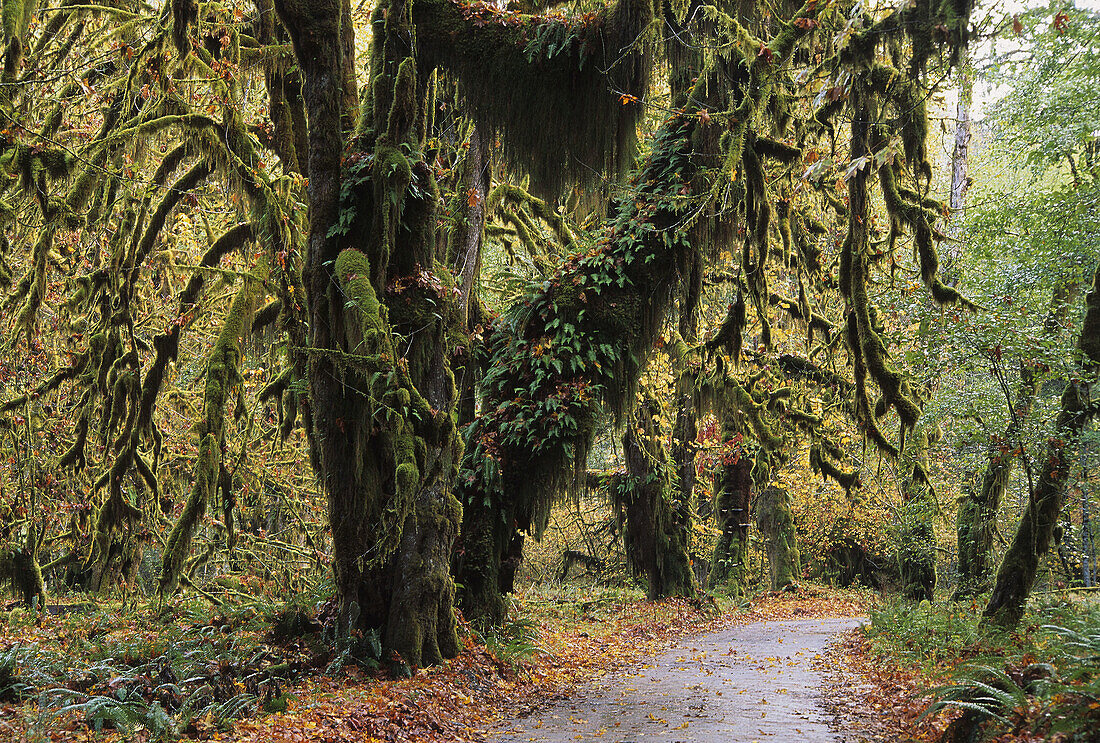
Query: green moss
x,y
16,17
574,87
773,516
657,534
222,377
176,550
401,120
394,399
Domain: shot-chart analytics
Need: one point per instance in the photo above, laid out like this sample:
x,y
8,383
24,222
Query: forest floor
x,y
766,665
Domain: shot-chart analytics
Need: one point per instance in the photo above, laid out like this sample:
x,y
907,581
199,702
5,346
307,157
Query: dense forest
x,y
338,338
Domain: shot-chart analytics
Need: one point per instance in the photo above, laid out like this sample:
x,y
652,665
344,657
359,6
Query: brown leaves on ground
x,y
874,699
461,699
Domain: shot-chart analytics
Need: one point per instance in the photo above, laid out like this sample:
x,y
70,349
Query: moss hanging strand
x,y
565,95
222,376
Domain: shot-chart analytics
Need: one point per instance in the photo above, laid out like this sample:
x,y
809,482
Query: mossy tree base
x,y
773,517
25,573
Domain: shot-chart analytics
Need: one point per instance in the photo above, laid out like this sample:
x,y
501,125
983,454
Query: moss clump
x,y
565,95
394,404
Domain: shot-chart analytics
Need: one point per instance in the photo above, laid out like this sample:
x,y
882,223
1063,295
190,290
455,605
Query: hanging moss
x,y
184,14
730,332
822,464
582,336
507,193
22,567
222,376
574,87
178,546
143,246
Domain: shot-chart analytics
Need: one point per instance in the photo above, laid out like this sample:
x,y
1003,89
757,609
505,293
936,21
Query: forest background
x,y
391,309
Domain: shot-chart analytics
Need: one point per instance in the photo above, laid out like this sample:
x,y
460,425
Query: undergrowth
x,y
1038,682
187,669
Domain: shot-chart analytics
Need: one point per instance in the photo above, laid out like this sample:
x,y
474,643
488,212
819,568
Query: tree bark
x,y
383,439
773,517
960,181
658,520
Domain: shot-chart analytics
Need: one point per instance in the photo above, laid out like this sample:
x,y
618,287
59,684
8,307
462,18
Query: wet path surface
x,y
746,684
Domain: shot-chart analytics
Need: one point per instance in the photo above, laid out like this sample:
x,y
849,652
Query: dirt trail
x,y
745,684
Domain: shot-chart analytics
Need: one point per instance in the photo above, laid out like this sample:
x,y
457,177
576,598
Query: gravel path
x,y
746,684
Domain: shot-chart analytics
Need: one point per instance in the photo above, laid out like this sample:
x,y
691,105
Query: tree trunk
x,y
383,439
733,488
485,540
1016,575
773,517
686,431
21,566
916,533
658,520
960,181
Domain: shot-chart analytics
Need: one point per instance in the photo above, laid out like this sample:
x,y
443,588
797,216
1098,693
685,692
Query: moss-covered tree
x,y
657,529
1032,539
773,517
557,355
114,158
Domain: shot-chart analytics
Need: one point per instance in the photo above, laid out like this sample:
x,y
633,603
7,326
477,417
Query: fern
x,y
12,686
993,698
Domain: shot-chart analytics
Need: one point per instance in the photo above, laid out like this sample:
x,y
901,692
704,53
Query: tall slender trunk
x,y
916,532
1088,549
977,514
960,181
686,429
1020,565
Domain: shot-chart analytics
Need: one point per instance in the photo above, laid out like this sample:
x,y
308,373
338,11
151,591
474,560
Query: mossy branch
x,y
222,376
